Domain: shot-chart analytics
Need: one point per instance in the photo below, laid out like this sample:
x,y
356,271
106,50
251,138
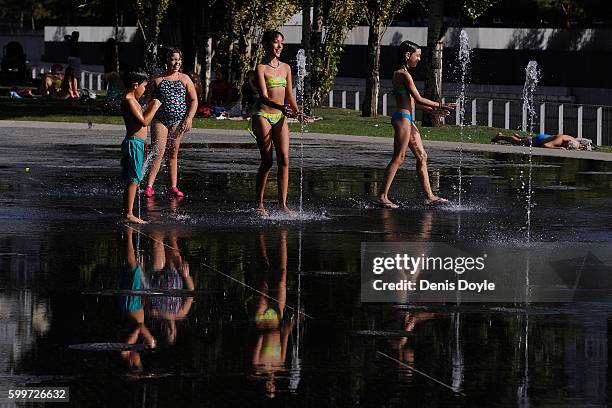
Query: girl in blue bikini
x,y
268,122
179,101
406,133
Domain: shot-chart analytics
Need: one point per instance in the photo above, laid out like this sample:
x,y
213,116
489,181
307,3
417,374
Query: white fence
x,y
589,121
88,80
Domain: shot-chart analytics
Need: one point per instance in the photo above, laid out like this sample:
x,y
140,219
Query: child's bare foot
x,y
261,211
132,219
497,137
435,200
384,202
286,210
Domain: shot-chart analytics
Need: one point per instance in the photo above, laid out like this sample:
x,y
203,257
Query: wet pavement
x,y
210,305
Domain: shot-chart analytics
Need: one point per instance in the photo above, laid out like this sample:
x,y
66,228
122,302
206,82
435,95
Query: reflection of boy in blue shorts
x,y
132,280
132,148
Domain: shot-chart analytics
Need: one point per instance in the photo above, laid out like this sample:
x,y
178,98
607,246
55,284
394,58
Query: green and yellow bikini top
x,y
276,82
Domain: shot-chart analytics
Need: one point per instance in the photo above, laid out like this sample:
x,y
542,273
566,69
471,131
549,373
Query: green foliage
x,y
251,19
383,11
150,15
340,17
472,9
569,8
31,9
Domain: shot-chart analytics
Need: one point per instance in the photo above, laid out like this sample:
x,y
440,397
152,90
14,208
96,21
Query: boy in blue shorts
x,y
132,148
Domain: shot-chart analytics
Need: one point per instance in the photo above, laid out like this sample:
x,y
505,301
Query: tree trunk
x,y
115,53
306,30
231,20
370,102
208,57
245,56
316,42
435,47
198,37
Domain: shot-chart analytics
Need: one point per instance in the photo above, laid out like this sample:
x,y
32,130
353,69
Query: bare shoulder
x,y
399,76
127,103
184,78
405,75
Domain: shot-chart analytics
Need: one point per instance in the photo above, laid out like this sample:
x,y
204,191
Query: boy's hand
x,y
156,102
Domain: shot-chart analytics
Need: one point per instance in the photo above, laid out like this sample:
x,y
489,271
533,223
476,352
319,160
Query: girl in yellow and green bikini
x,y
406,133
268,123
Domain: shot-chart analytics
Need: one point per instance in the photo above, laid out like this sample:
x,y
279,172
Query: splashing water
x,y
464,62
532,77
301,74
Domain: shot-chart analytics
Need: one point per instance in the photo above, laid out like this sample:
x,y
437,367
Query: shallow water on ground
x,y
210,305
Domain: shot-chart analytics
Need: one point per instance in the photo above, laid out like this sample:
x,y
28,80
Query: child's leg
x,y
280,135
128,204
158,251
261,129
174,142
416,146
514,139
159,136
401,141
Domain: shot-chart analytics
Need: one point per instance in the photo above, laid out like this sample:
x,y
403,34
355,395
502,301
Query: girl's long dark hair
x,y
404,47
269,36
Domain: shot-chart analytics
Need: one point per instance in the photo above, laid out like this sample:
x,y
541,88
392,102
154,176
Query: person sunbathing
x,y
558,141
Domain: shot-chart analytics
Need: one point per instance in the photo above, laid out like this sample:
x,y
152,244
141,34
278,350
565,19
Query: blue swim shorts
x,y
132,159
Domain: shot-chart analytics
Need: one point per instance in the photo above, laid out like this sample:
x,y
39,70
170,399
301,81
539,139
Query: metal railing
x,y
89,80
581,120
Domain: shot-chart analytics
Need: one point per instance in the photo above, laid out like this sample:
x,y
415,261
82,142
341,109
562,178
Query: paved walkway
x,y
216,135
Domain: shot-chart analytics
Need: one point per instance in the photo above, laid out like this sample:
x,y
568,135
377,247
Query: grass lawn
x,y
335,120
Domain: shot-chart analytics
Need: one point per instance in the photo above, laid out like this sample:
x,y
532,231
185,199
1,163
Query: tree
x,y
150,15
251,19
32,9
458,10
435,48
379,15
569,8
332,20
306,45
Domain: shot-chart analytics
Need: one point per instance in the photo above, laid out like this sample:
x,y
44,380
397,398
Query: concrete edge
x,y
434,144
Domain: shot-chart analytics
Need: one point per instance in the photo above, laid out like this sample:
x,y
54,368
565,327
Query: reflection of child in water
x,y
267,315
132,279
169,271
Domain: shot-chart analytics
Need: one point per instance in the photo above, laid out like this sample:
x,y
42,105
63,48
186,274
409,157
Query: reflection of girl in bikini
x,y
406,133
268,122
169,272
267,314
179,104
